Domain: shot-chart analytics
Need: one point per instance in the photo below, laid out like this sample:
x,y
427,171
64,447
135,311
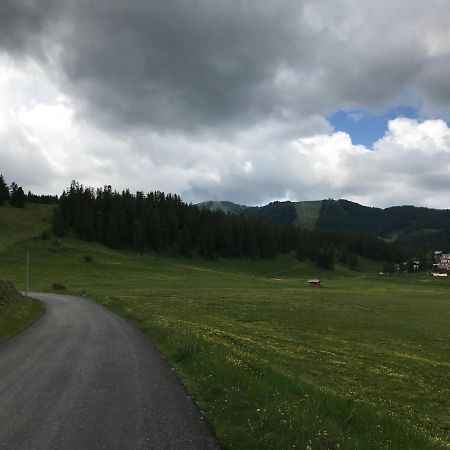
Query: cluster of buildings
x,y
441,266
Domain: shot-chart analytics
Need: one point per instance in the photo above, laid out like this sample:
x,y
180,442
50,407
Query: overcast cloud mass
x,y
224,99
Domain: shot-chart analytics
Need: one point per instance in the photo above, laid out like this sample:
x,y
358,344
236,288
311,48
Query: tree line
x,y
164,223
43,199
13,194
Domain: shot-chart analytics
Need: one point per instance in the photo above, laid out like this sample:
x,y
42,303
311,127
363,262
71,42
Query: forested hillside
x,y
346,215
418,230
163,223
275,212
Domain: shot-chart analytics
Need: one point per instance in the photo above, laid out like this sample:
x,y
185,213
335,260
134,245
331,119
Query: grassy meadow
x,y
16,225
362,363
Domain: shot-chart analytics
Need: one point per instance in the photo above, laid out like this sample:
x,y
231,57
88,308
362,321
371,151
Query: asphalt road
x,y
82,378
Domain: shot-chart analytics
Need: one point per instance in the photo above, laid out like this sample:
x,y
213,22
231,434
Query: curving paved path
x,y
84,378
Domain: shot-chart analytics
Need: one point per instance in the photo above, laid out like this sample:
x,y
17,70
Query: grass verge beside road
x,y
16,311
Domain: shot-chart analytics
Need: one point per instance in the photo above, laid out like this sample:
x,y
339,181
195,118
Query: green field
x,y
362,363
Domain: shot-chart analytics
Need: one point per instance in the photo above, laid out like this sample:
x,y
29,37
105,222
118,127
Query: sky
x,y
248,101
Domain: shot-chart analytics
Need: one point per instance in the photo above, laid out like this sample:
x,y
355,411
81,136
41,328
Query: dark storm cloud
x,y
206,64
436,86
182,64
23,23
202,64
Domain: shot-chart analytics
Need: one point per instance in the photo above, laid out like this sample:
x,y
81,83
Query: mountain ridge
x,y
428,227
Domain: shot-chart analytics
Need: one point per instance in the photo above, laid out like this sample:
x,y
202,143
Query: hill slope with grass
x,y
16,311
361,363
18,224
226,207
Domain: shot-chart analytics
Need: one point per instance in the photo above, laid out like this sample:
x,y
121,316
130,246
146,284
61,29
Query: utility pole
x,y
28,273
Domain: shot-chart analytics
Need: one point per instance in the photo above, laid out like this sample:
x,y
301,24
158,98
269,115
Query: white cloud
x,y
232,108
430,136
410,164
48,145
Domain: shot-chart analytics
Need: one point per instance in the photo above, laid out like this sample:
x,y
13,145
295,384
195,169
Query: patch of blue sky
x,y
365,129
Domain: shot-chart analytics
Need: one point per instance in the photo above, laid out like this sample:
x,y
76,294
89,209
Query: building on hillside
x,y
445,259
442,259
314,282
407,267
413,265
440,270
441,266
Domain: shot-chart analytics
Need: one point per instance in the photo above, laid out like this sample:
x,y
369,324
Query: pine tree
x,y
153,228
4,191
410,266
112,231
352,261
58,227
389,267
20,200
300,253
325,258
84,224
17,199
208,244
185,244
139,239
